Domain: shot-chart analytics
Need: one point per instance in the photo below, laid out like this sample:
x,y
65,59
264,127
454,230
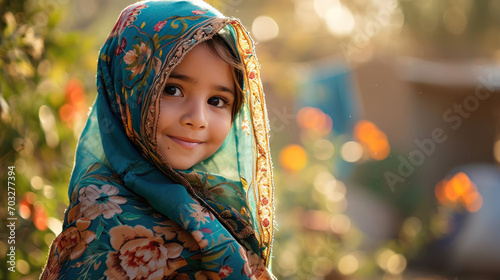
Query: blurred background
x,y
384,118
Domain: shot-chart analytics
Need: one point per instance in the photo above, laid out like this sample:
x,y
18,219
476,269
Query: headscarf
x,y
126,203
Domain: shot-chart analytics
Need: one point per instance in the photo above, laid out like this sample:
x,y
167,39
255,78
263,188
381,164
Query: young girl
x,y
173,176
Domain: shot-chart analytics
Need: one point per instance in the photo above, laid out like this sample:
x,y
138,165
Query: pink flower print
x,y
127,17
95,201
198,12
160,25
225,271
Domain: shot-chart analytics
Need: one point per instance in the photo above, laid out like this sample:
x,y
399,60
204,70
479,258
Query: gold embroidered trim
x,y
264,176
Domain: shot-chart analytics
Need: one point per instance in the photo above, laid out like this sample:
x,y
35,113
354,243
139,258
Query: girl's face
x,y
195,115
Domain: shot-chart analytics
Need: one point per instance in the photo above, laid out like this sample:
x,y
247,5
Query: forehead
x,y
201,64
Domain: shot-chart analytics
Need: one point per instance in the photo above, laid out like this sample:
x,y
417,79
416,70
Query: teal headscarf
x,y
131,215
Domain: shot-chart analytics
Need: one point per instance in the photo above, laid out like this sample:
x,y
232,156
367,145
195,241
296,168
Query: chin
x,y
181,166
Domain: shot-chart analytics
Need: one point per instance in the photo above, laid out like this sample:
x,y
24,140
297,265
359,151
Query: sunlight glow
x,y
340,20
264,28
321,6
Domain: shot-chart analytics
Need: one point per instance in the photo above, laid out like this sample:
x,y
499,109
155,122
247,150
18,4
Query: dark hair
x,y
221,48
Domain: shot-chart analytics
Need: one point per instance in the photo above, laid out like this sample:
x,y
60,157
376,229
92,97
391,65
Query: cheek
x,y
166,113
222,126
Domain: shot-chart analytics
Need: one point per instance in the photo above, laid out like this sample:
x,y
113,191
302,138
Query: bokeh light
x,y
459,191
39,216
73,111
36,182
264,28
49,191
396,264
315,120
348,264
322,6
25,205
351,151
23,266
323,149
390,261
340,224
383,256
340,20
293,158
373,140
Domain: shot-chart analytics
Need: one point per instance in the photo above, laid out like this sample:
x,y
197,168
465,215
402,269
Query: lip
x,y
187,143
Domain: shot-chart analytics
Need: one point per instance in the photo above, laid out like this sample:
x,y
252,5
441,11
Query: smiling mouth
x,y
186,142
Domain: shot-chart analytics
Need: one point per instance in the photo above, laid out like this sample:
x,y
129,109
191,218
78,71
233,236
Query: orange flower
x,y
96,201
198,236
167,228
191,241
74,240
52,269
74,213
141,255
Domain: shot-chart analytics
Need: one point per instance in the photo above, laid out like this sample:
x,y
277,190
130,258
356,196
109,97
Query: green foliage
x,y
40,72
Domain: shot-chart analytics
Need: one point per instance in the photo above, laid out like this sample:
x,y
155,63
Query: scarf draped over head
x,y
131,214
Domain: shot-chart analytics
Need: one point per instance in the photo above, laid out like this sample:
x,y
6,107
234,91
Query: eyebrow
x,y
192,80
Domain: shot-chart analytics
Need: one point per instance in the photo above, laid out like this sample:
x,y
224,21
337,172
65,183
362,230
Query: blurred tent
x,y
328,85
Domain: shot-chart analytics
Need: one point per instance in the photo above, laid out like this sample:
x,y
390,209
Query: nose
x,y
194,115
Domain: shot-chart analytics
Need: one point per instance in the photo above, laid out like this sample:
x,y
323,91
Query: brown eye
x,y
173,91
217,102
